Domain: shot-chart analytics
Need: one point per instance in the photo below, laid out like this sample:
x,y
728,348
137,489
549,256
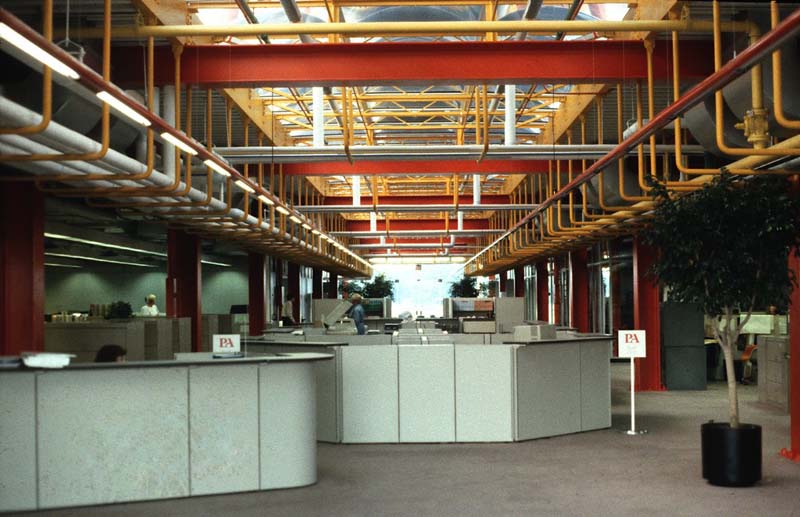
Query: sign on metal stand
x,y
632,344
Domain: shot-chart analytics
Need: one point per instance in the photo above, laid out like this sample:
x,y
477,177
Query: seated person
x,y
149,308
111,354
287,311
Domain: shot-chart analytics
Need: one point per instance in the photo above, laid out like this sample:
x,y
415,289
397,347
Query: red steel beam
x,y
422,200
397,63
418,224
384,167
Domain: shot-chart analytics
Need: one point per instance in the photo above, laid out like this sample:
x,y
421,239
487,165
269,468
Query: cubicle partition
x,y
98,434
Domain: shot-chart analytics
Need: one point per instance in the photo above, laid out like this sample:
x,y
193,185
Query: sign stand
x,y
632,343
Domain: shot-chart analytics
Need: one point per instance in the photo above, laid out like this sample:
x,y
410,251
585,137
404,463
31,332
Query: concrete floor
x,y
595,473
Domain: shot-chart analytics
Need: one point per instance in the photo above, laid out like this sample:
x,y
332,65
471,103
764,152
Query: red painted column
x,y
501,291
647,317
316,283
519,282
333,287
579,310
21,268
793,452
257,293
541,291
183,281
293,288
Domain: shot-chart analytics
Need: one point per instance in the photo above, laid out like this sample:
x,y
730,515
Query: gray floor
x,y
595,473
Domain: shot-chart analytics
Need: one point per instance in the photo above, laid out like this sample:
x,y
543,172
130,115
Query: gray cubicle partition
x,y
112,433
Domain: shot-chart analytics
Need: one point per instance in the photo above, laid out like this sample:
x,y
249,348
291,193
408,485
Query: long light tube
x,y
295,219
33,50
266,200
211,164
60,237
180,144
94,259
122,108
281,209
244,186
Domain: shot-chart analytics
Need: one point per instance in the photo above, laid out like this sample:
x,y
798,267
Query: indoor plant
x,y
725,247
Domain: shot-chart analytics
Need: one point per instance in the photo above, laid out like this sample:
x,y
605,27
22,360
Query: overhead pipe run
x,y
493,257
284,154
353,209
446,28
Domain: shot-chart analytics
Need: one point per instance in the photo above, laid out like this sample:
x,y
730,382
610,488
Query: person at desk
x,y
149,308
111,354
357,314
287,311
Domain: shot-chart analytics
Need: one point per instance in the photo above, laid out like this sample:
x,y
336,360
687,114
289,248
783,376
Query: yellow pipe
x,y
104,143
719,104
777,79
447,28
47,82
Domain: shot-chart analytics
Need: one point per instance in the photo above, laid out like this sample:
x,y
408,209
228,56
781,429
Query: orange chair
x,y
747,365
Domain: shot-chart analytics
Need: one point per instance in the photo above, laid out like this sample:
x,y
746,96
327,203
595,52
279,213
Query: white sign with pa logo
x,y
226,343
632,343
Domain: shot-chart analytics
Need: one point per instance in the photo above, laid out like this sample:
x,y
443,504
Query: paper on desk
x,y
46,359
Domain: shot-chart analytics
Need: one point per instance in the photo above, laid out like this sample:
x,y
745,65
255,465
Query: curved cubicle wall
x,y
100,434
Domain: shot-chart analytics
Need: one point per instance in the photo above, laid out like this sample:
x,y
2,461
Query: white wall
x,y
76,289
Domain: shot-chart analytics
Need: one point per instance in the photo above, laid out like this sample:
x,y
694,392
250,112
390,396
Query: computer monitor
x,y
238,309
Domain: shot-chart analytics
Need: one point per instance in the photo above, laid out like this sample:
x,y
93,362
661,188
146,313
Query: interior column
x,y
541,291
21,268
293,288
316,283
579,308
647,317
333,286
183,281
793,452
519,282
257,293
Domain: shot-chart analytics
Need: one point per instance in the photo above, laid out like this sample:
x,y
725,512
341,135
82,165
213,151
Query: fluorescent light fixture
x,y
219,169
33,50
212,263
315,231
245,186
266,200
53,264
183,146
94,259
324,237
122,108
306,226
295,219
101,244
282,209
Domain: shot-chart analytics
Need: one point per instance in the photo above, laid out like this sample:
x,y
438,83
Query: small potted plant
x,y
119,311
725,247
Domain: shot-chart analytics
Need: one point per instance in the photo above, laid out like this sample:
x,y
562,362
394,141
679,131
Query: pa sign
x,y
631,343
226,343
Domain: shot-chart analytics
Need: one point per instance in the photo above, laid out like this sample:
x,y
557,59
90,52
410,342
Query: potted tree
x,y
467,287
725,247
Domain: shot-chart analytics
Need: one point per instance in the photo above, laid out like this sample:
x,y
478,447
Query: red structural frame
x,y
793,451
183,281
402,63
647,317
384,167
21,268
579,309
257,293
542,299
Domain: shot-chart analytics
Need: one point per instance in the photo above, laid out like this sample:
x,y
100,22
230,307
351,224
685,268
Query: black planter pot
x,y
731,457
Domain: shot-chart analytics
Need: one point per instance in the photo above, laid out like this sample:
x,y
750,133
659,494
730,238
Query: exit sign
x,y
632,343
